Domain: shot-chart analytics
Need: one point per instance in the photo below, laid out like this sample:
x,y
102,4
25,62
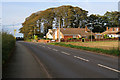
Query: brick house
x,y
66,33
112,32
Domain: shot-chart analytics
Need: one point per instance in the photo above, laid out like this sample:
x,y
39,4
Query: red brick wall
x,y
66,37
44,41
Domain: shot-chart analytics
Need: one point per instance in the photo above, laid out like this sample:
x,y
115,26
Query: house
x,y
66,33
50,33
112,32
98,36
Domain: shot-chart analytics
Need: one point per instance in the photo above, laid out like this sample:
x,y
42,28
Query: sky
x,y
14,12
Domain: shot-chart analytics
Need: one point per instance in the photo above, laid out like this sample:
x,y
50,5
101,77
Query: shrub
x,y
47,38
74,38
62,39
112,37
105,36
78,38
89,37
69,38
8,43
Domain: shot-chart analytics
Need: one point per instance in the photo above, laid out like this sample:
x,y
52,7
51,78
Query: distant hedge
x,y
8,43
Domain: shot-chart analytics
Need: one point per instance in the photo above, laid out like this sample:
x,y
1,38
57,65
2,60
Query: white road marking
x,y
108,68
55,49
81,58
65,53
49,48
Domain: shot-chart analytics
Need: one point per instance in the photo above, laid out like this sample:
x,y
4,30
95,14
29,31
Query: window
x,y
112,29
74,36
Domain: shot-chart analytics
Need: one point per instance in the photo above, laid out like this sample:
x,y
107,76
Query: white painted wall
x,y
56,35
112,35
49,36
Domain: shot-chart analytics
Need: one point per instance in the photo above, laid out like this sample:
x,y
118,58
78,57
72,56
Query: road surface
x,y
38,60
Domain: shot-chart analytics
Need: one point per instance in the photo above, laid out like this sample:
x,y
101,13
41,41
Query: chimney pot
x,y
106,28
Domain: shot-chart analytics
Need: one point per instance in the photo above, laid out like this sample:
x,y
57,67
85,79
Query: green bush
x,y
36,37
78,38
46,39
72,38
105,36
62,39
8,43
69,38
112,37
29,40
89,37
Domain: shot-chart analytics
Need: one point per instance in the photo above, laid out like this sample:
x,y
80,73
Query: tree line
x,y
70,17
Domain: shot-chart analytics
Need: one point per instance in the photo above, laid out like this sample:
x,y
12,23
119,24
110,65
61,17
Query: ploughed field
x,y
98,44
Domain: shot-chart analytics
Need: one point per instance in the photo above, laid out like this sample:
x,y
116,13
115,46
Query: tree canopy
x,y
69,16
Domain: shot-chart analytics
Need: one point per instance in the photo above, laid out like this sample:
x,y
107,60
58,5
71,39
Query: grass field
x,y
107,47
97,44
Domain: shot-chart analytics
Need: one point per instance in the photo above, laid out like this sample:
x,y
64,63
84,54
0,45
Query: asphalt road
x,y
38,60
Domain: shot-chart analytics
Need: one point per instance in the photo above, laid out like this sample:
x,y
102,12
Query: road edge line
x,y
48,75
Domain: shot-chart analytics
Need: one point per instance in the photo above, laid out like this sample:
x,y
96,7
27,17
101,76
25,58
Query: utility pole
x,y
91,31
14,30
59,29
15,33
91,34
34,33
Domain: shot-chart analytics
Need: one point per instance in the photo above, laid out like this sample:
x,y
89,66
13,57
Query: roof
x,y
75,31
53,30
110,32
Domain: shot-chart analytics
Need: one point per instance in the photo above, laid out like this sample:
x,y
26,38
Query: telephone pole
x,y
59,29
34,33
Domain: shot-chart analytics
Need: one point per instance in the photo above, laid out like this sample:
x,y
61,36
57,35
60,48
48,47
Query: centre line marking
x,y
55,49
81,58
65,53
109,68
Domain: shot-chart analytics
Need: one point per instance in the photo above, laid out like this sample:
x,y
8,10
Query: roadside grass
x,y
8,43
113,51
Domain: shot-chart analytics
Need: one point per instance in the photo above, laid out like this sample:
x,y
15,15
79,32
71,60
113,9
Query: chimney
x,y
86,29
106,28
111,29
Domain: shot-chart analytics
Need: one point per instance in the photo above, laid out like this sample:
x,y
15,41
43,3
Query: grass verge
x,y
114,52
8,43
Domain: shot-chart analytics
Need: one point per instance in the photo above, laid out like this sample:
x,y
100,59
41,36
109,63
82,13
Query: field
x,y
98,44
106,47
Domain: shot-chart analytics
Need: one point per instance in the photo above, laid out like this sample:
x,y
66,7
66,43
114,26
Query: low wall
x,y
44,41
